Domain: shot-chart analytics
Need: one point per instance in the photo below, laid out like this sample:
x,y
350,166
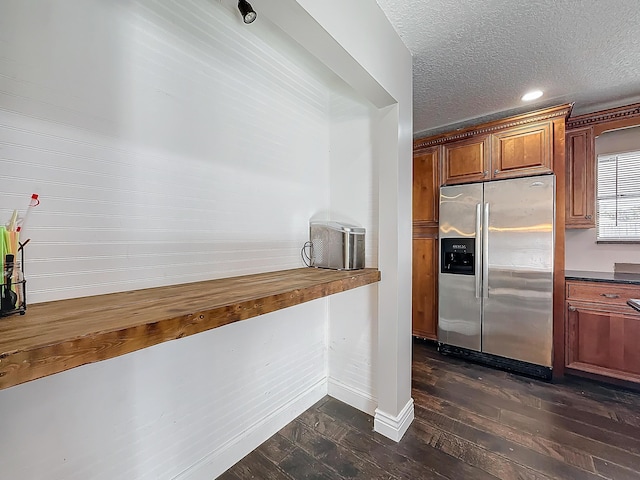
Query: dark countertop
x,y
628,278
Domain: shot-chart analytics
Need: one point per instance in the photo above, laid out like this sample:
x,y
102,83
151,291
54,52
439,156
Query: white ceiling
x,y
474,59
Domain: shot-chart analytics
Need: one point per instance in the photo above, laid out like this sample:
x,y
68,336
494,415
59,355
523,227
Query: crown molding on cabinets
x,y
494,126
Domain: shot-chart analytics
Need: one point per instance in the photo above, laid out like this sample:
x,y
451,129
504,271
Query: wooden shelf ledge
x,y
56,336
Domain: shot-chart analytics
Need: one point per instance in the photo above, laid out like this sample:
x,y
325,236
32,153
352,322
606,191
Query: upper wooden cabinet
x,y
580,178
466,160
426,164
522,151
581,162
518,146
513,152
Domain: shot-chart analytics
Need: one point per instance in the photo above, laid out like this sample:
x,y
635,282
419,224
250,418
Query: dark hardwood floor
x,y
472,422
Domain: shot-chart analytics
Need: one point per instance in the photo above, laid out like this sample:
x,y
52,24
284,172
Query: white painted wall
x,y
582,251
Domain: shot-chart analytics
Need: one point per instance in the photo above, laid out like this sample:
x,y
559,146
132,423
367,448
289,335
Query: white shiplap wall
x,y
169,143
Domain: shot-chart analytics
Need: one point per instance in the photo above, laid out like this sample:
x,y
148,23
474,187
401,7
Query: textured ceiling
x,y
474,59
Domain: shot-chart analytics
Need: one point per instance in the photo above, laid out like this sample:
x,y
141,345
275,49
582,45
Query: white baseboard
x,y
228,454
352,396
394,427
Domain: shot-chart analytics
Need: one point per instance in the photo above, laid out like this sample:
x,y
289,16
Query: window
x,y
618,200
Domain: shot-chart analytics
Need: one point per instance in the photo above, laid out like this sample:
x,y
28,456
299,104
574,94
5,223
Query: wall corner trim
x,y
394,427
352,396
221,459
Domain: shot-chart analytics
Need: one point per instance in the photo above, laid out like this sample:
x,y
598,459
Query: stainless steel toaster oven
x,y
336,245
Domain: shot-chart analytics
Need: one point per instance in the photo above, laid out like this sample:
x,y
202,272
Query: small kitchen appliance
x,y
336,245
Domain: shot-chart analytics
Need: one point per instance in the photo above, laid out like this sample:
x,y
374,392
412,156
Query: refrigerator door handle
x,y
478,250
485,252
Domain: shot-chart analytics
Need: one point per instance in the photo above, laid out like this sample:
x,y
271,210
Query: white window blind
x,y
618,201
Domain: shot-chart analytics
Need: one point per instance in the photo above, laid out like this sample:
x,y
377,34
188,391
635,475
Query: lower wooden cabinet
x,y
603,332
425,288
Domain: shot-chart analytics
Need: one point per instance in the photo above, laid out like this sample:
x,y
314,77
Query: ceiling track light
x,y
247,11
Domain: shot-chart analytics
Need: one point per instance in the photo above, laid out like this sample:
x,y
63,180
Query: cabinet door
x,y
581,179
425,287
603,342
426,164
466,160
522,151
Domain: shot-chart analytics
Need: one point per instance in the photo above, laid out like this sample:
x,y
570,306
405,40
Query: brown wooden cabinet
x,y
580,178
426,166
425,288
603,332
512,152
466,160
522,151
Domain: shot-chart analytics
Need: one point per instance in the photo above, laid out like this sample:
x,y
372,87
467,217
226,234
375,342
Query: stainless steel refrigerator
x,y
496,272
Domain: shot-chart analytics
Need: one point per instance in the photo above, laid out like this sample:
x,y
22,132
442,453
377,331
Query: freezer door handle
x,y
478,250
485,252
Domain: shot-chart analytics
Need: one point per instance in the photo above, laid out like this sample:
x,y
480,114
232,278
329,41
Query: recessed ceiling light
x,y
527,97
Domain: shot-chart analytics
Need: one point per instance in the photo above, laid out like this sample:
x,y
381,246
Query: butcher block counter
x,y
56,336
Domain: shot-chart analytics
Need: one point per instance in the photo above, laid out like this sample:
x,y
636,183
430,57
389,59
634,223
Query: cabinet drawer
x,y
610,293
